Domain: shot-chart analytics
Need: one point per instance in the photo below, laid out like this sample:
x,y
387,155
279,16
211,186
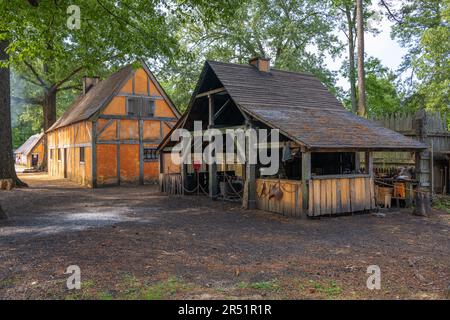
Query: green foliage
x,y
381,92
423,28
297,35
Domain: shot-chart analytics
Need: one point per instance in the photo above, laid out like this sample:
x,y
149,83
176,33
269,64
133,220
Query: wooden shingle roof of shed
x,y
303,109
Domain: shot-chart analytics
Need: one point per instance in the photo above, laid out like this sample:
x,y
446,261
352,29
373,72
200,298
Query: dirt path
x,y
137,243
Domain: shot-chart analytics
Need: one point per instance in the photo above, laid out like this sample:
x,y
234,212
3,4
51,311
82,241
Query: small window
x,y
82,154
51,154
148,107
133,106
59,154
150,154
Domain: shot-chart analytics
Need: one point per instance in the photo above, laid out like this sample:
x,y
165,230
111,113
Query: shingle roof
x,y
303,109
28,145
87,105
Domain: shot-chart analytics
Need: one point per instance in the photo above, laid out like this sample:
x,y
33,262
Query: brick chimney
x,y
89,83
263,64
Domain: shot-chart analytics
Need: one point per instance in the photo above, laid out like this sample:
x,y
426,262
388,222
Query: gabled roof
x,y
29,145
303,109
87,105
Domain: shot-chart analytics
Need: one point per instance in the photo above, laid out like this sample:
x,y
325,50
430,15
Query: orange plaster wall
x,y
106,164
141,82
151,170
129,130
162,109
129,163
116,106
152,130
110,133
128,87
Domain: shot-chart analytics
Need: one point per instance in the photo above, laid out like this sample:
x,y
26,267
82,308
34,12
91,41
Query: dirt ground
x,y
135,243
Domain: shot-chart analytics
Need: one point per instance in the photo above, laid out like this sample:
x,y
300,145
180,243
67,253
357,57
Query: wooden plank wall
x,y
171,183
291,202
338,194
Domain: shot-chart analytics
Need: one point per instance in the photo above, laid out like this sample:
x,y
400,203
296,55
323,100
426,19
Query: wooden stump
x,y
6,184
423,204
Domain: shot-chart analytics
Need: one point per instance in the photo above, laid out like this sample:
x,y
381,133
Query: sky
x,y
380,46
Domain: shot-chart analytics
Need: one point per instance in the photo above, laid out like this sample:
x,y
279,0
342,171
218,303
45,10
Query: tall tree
x,y
50,53
7,170
297,35
345,12
422,27
361,76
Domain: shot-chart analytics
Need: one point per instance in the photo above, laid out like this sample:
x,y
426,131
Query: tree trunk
x,y
49,111
351,58
7,170
361,75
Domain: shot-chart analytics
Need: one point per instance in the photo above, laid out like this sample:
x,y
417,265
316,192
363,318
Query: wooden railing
x,y
340,194
171,183
288,202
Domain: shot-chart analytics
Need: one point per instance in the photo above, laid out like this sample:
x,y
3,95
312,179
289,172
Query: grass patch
x,y
442,203
165,289
86,292
329,289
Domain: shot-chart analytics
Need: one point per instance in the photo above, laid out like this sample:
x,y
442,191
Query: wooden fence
x,y
171,183
340,194
290,202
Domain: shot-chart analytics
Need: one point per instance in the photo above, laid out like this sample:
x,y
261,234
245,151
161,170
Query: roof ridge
x,y
306,73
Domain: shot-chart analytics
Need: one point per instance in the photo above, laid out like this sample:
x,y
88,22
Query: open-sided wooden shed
x,y
31,152
109,135
322,177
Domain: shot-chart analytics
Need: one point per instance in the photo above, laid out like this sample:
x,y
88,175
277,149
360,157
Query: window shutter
x,y
147,107
133,106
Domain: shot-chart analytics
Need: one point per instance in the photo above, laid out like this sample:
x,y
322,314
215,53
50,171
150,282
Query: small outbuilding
x,y
109,135
31,153
320,172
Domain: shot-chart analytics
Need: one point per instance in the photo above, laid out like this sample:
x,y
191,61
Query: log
x,y
6,184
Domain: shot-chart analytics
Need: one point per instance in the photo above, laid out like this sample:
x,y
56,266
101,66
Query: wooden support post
x,y
118,150
357,162
306,177
94,154
212,168
184,185
249,197
422,197
368,162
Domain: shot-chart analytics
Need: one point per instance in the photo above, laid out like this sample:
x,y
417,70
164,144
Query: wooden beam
x,y
141,152
210,92
212,168
118,150
357,162
369,163
218,113
112,116
306,177
94,154
130,95
106,126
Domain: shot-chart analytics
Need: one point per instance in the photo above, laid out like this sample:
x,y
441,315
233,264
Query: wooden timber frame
x,y
311,194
